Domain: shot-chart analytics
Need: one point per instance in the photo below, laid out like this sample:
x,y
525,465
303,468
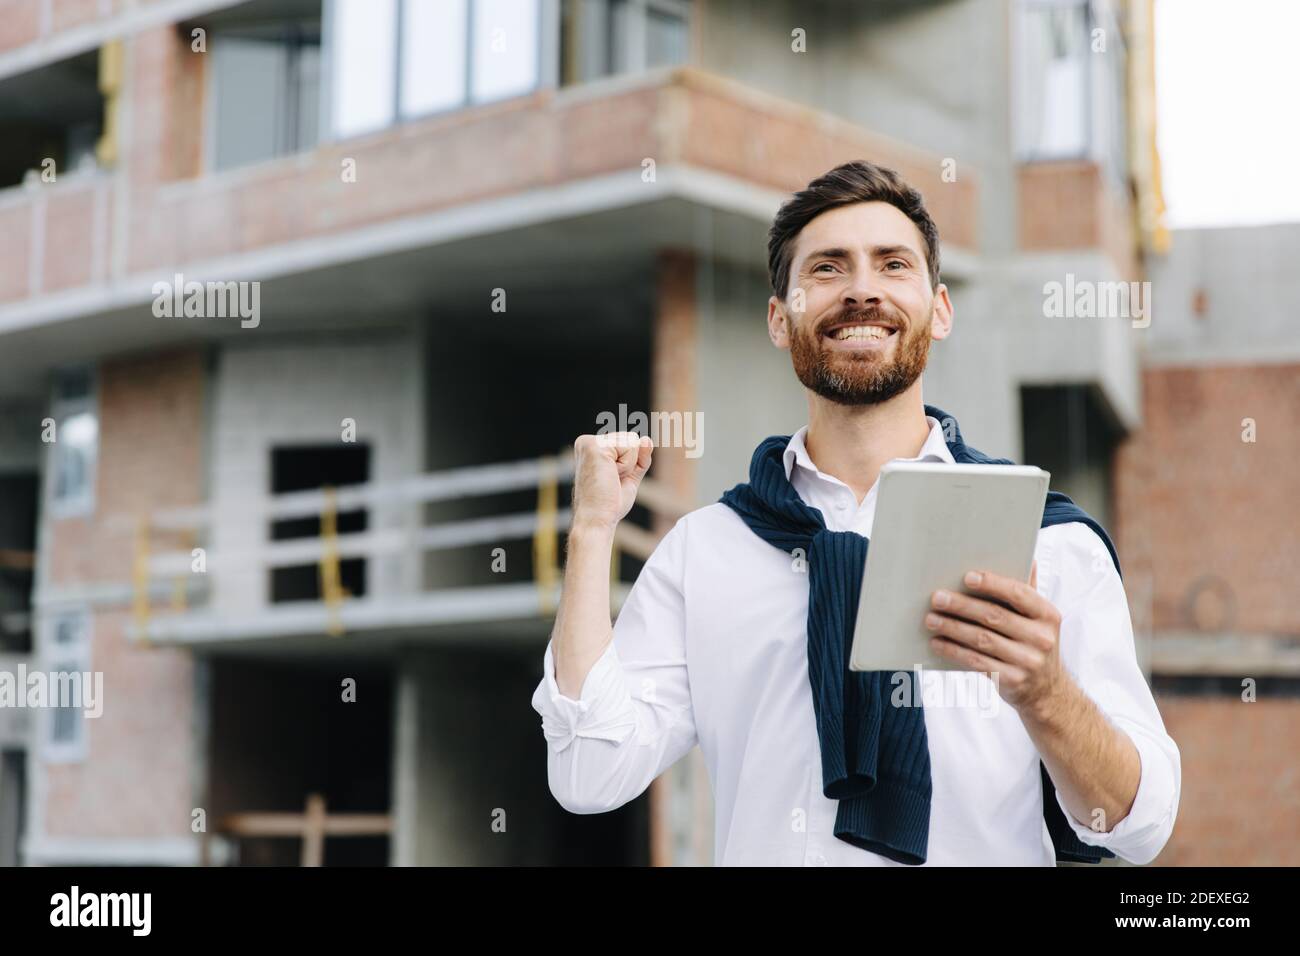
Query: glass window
x,y
65,724
504,45
249,100
307,102
1072,102
606,37
75,448
265,91
434,56
67,652
665,38
363,65
452,53
1055,50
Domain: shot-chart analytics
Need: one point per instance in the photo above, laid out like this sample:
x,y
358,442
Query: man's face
x,y
860,313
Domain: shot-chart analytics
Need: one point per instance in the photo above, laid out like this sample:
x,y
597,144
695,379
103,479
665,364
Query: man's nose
x,y
861,290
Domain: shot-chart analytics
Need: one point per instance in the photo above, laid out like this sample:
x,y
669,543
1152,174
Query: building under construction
x,y
305,301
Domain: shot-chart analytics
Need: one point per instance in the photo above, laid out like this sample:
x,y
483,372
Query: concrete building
x,y
1206,498
303,300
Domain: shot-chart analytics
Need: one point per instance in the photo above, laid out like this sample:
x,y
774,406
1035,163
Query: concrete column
x,y
673,819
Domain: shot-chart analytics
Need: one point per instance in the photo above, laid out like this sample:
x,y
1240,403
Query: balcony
x,y
184,593
626,165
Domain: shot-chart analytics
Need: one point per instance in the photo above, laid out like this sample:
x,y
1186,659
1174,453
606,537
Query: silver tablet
x,y
934,522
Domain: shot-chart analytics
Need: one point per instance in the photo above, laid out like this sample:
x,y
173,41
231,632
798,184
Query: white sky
x,y
1228,110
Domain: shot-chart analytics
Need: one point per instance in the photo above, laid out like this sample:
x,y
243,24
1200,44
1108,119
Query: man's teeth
x,y
861,332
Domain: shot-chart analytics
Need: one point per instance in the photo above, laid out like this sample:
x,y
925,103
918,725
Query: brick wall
x,y
1071,205
1194,502
1198,508
1240,803
136,779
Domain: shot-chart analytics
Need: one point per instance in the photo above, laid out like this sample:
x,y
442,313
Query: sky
x,y
1228,111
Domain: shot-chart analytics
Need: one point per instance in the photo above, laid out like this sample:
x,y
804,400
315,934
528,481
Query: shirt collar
x,y
934,449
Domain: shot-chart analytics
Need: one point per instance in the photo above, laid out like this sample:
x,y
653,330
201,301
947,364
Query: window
x,y
363,53
265,90
19,497
504,57
1071,97
54,112
435,56
303,468
398,59
607,37
66,651
75,448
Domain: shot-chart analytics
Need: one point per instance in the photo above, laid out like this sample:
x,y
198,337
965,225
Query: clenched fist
x,y
608,470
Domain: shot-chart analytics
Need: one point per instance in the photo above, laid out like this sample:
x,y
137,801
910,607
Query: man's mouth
x,y
860,332
864,336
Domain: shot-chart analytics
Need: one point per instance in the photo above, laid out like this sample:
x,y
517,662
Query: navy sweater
x,y
875,757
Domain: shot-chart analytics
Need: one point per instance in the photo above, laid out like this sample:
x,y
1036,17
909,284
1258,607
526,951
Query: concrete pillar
x,y
677,812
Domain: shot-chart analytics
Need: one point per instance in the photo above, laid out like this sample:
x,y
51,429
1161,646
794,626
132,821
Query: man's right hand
x,y
608,469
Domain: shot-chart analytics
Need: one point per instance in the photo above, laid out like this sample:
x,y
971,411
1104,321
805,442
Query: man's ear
x,y
941,314
778,323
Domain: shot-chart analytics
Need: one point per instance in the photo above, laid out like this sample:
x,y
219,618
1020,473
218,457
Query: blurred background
x,y
313,540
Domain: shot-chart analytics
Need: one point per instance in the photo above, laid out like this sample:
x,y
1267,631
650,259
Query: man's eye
x,y
825,265
896,262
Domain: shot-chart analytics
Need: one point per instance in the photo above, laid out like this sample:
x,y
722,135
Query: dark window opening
x,y
1269,686
1068,432
281,732
307,468
19,494
54,113
13,806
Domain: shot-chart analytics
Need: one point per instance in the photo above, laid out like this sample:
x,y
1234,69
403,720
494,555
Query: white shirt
x,y
711,648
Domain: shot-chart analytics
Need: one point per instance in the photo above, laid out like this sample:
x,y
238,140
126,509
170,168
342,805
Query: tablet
x,y
934,522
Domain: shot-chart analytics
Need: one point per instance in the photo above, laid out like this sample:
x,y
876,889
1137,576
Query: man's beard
x,y
858,378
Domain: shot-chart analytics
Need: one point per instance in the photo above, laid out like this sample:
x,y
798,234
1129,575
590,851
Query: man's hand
x,y
1005,628
608,470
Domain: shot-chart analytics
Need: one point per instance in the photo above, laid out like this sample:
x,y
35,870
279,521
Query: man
x,y
719,642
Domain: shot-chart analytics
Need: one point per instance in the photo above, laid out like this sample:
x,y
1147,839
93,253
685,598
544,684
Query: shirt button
x,y
816,859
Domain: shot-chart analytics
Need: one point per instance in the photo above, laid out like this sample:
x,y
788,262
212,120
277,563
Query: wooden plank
x,y
313,832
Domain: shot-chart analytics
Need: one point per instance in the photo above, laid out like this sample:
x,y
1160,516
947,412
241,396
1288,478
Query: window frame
x,y
633,51
56,658
545,12
1099,146
60,409
293,34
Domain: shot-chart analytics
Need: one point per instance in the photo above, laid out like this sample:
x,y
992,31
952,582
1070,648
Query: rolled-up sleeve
x,y
1097,647
633,717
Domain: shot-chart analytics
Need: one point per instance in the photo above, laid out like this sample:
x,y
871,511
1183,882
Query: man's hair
x,y
853,182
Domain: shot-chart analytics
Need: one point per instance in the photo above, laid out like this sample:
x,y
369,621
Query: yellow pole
x,y
178,585
140,578
110,85
331,587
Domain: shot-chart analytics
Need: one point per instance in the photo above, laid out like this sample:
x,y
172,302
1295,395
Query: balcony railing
x,y
175,596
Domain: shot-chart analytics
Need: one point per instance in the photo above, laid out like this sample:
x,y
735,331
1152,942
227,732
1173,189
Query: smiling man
x,y
735,634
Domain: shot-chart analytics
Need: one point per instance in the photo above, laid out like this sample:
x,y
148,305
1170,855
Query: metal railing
x,y
161,573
